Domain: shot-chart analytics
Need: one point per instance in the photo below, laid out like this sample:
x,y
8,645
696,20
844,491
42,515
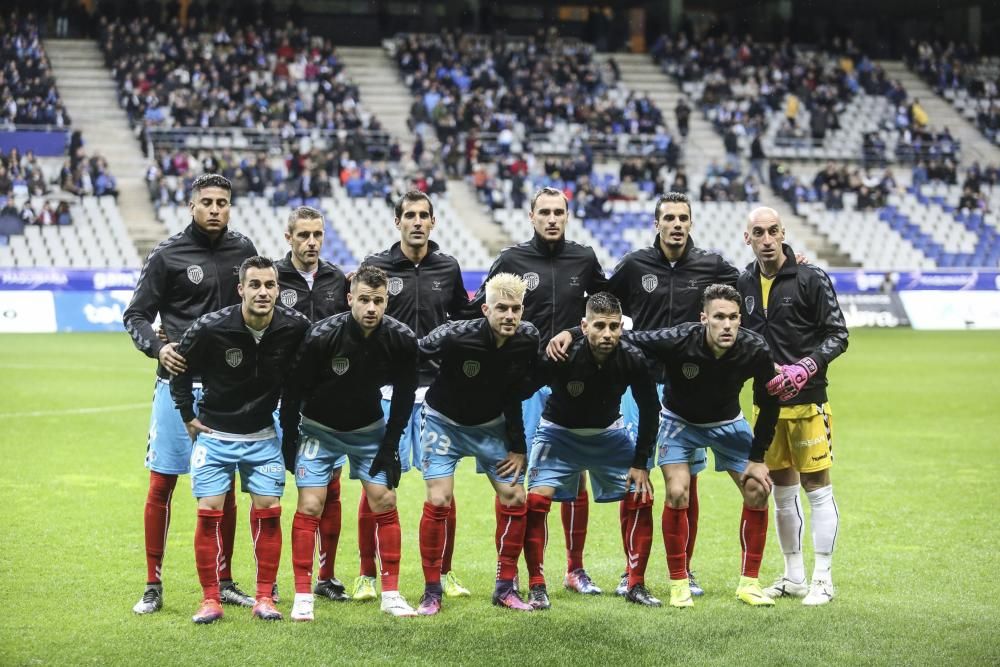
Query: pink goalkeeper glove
x,y
792,378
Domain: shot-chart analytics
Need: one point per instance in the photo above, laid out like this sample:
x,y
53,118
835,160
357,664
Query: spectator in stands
x,y
37,187
6,182
971,200
682,112
63,214
46,216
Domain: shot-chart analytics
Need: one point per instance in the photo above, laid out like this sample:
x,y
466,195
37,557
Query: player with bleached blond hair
x,y
473,408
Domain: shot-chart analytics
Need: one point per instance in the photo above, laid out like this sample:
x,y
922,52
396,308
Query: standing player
x,y
661,286
794,305
317,289
425,291
337,378
582,430
242,353
188,275
559,275
473,408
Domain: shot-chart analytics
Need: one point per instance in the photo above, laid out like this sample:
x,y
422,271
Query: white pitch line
x,y
74,411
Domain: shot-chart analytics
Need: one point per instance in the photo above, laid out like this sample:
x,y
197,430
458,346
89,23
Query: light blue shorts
x,y
680,442
168,446
630,413
320,448
531,413
559,455
342,461
444,443
409,442
214,461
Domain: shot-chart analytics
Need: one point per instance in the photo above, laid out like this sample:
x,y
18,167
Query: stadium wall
x,y
62,300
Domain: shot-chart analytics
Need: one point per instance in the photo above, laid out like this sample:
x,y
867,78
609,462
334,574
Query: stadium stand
x,y
28,94
965,78
497,94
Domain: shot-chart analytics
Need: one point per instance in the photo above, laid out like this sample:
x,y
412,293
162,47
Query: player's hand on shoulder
x,y
194,427
169,359
557,347
512,466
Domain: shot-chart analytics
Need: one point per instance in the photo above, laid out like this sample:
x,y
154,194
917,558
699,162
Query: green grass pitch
x,y
916,478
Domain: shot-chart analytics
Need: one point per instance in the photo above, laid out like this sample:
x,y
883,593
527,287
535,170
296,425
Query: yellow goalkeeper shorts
x,y
803,438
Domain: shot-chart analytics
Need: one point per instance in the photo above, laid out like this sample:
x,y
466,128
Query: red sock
x,y
449,538
536,537
208,551
692,519
675,537
640,536
510,539
575,515
433,529
228,532
329,530
388,544
156,519
304,529
366,536
265,528
753,535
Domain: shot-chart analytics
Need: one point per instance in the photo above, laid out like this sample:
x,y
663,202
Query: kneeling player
x,y
242,354
338,374
473,408
581,430
707,364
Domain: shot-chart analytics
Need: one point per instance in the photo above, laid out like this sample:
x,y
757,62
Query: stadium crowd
x,y
28,94
515,88
256,76
291,179
960,70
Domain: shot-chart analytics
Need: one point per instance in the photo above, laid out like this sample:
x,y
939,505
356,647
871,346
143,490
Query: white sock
x,y
790,525
825,523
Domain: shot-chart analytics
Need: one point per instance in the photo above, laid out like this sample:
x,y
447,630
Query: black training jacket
x,y
242,379
560,276
479,381
656,295
423,296
588,395
803,319
185,276
338,374
327,297
705,389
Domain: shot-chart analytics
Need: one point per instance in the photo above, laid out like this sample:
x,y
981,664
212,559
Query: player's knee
x,y
678,498
512,496
381,499
266,502
755,494
815,480
439,497
309,505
